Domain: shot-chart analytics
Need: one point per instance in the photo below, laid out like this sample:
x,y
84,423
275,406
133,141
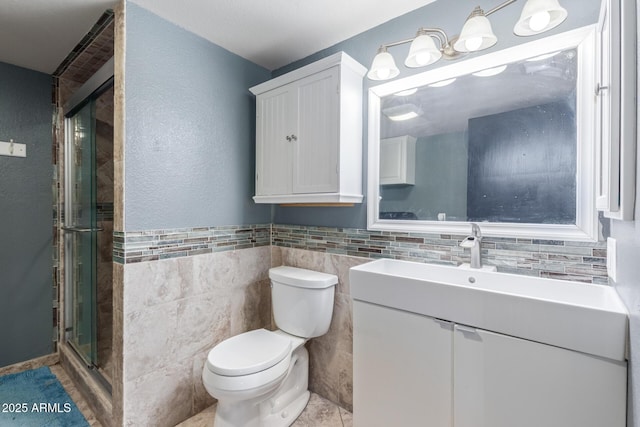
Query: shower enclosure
x,y
88,224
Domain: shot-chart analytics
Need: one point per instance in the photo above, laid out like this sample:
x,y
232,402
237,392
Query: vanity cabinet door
x,y
502,381
402,370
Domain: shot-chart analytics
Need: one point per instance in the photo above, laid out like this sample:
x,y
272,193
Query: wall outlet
x,y
611,258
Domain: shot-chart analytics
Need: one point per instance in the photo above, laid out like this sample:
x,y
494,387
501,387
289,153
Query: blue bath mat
x,y
36,398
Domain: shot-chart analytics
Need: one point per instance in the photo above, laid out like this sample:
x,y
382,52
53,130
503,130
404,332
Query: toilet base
x,y
278,408
286,416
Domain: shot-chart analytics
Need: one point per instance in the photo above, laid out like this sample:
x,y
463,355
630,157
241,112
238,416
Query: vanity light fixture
x,y
431,44
539,16
476,33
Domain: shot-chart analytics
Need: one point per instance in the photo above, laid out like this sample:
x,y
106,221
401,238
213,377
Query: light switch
x,y
611,257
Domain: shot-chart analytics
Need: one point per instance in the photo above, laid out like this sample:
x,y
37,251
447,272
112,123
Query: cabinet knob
x,y
599,89
291,138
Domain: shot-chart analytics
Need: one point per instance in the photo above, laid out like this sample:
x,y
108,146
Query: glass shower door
x,y
80,233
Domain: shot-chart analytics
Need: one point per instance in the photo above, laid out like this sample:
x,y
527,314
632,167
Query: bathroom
x,y
184,156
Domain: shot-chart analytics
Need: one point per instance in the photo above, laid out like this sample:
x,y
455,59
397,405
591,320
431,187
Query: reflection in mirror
x,y
497,145
505,139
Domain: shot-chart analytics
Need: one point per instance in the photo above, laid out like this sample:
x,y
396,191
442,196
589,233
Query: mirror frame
x,y
586,228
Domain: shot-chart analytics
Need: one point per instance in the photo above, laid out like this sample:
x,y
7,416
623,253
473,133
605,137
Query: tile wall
x,y
556,259
174,311
186,290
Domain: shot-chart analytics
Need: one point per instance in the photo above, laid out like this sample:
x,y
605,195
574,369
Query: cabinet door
x,y
315,152
274,117
501,381
402,368
397,160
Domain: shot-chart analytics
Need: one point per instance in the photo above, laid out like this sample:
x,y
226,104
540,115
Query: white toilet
x,y
260,377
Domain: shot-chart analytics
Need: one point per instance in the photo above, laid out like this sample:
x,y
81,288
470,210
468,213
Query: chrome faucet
x,y
474,242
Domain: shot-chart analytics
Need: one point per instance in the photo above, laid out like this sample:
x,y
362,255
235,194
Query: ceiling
x,y
39,34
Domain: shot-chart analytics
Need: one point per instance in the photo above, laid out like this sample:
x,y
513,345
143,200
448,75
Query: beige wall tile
x,y
151,283
149,341
331,355
202,322
161,398
176,310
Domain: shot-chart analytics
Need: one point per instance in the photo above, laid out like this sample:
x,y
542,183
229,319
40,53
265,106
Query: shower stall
x,y
88,223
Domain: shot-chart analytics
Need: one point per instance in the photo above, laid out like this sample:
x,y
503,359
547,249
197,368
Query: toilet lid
x,y
248,353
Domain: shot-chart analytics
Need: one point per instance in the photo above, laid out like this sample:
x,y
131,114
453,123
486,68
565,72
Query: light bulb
x,y
539,21
422,58
384,73
473,43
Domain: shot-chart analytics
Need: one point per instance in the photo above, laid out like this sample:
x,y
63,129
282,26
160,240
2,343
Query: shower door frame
x,y
102,80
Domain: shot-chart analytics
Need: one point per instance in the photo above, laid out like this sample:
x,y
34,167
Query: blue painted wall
x,y
190,129
362,48
26,227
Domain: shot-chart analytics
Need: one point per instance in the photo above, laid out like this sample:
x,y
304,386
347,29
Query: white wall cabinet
x,y
616,107
414,370
309,134
398,160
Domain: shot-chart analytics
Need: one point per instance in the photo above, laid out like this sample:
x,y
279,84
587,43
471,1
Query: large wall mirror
x,y
504,139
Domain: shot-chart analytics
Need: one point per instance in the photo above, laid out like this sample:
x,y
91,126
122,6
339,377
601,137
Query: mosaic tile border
x,y
106,19
104,211
153,245
555,259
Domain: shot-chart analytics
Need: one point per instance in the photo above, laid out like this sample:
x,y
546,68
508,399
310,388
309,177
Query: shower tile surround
x,y
89,55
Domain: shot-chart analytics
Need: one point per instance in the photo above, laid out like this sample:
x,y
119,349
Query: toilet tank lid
x,y
302,278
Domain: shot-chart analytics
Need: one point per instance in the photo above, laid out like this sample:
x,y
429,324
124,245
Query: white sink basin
x,y
582,317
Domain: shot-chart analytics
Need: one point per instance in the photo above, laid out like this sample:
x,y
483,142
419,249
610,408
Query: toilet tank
x,y
302,300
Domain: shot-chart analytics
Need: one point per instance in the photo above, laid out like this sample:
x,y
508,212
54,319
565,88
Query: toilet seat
x,y
248,353
249,360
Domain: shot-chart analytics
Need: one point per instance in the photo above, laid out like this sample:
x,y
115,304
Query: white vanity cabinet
x,y
309,134
503,381
416,370
398,386
443,346
398,160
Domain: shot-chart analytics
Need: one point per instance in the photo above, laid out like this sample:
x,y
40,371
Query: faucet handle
x,y
475,230
468,242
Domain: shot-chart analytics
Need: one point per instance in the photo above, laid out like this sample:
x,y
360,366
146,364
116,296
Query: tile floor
x,y
75,395
319,411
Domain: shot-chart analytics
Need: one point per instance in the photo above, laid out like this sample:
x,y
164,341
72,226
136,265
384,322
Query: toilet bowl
x,y
260,377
